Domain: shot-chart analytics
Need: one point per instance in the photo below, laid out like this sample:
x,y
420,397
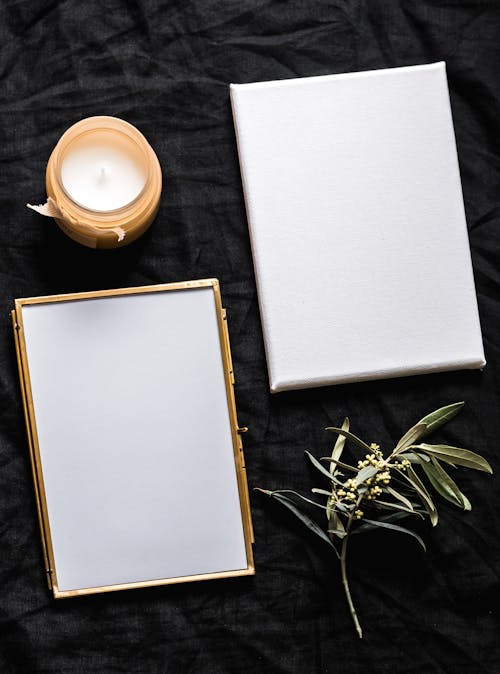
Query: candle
x,y
103,183
103,171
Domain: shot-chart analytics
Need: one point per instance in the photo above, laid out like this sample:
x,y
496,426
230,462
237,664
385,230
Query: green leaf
x,y
394,506
334,521
324,492
365,474
393,527
443,483
414,458
410,437
456,456
448,482
392,517
467,503
337,532
339,446
400,497
321,468
296,493
339,463
439,417
424,495
350,436
300,515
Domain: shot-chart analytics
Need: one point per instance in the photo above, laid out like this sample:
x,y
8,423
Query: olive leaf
x,y
365,474
334,521
321,468
339,446
456,456
422,492
387,525
414,458
388,505
325,492
444,485
335,524
341,533
391,517
410,437
441,416
295,493
350,436
400,497
329,459
300,515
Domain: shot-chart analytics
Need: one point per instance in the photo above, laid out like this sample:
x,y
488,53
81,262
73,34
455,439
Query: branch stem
x,y
343,552
343,570
347,591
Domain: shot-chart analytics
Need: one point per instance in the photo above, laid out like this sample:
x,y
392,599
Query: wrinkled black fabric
x,y
165,67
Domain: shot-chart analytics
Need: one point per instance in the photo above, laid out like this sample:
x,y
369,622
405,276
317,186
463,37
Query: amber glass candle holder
x,y
94,221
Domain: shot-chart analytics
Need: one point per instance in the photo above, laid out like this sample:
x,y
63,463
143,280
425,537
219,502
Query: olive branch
x,y
382,490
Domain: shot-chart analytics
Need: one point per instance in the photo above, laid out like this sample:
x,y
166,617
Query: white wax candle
x,y
103,170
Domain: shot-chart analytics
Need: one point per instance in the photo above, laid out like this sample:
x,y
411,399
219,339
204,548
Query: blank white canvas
x,y
357,226
134,437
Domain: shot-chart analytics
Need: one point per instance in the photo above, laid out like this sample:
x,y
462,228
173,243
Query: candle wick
x,y
102,176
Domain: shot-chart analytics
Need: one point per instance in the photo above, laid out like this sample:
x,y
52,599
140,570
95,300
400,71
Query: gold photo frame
x,y
43,335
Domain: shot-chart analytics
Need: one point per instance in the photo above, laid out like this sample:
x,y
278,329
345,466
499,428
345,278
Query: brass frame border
x,y
36,466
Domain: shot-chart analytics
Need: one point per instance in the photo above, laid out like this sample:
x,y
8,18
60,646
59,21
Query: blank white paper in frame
x,y
135,438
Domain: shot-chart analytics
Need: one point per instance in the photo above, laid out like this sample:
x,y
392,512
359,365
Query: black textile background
x,y
165,67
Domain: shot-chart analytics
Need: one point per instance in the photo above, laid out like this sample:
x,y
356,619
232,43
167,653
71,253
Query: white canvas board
x,y
357,226
134,437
